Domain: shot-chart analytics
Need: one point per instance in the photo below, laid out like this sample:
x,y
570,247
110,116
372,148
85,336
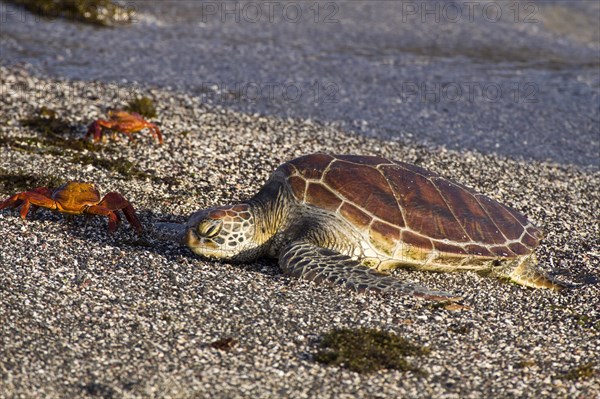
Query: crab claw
x,y
113,202
96,130
156,132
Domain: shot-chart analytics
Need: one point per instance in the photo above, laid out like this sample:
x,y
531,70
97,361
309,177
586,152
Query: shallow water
x,y
519,79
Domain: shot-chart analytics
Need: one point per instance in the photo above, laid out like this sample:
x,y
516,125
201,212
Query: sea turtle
x,y
346,219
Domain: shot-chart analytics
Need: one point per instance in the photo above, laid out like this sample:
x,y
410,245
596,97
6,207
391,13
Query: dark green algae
x,y
366,350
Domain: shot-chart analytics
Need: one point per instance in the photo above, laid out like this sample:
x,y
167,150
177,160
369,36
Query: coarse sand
x,y
87,314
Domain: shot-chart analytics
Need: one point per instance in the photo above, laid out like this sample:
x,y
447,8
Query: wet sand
x,y
516,78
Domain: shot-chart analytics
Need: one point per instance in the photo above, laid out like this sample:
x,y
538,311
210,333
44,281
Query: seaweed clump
x,y
45,121
367,350
224,344
581,372
12,183
527,363
143,106
52,129
81,151
587,322
121,166
95,12
460,328
99,390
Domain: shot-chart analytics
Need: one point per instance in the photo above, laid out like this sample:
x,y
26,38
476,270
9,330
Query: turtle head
x,y
225,232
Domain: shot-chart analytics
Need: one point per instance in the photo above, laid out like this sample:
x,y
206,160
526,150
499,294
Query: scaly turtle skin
x,y
346,219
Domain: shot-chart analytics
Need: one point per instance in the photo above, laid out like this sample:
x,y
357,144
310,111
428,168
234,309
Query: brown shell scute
x,y
519,249
478,250
471,215
365,187
443,247
355,216
363,160
503,218
298,185
319,194
529,241
535,232
399,202
416,240
384,236
425,209
312,166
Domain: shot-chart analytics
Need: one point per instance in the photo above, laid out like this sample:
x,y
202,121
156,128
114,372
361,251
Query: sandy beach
x,y
87,314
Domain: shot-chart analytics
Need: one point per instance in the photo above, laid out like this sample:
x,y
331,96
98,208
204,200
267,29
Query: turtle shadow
x,y
149,240
573,280
93,229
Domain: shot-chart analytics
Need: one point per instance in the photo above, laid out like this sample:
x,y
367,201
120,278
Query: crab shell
x,y
406,212
75,197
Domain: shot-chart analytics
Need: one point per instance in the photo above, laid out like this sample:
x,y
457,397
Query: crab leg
x,y
112,216
13,202
155,132
114,202
45,191
28,198
95,129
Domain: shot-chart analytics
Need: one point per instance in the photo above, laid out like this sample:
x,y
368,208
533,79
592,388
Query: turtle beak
x,y
191,238
198,245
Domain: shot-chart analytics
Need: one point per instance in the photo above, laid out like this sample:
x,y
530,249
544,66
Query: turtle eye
x,y
210,228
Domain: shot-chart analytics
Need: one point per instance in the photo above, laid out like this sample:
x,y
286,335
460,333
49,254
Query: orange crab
x,y
76,198
124,122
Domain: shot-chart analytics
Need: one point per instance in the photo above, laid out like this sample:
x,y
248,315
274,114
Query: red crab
x,y
76,198
124,122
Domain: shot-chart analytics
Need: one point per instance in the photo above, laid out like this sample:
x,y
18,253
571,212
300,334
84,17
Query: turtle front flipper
x,y
310,262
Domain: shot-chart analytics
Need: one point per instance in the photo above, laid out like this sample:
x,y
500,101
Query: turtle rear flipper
x,y
526,273
311,262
